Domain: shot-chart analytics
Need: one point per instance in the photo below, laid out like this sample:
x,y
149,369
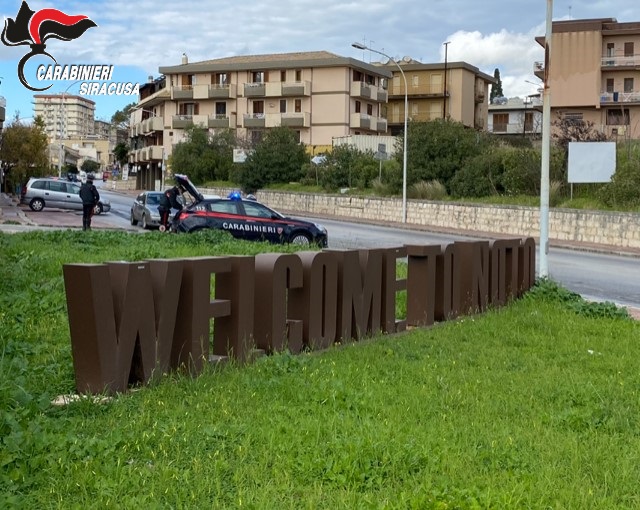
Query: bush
x,y
480,176
623,190
432,190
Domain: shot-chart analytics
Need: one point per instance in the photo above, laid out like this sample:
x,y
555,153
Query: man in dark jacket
x,y
90,197
168,201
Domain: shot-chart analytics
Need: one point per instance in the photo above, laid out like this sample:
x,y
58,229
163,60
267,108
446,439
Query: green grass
x,y
534,405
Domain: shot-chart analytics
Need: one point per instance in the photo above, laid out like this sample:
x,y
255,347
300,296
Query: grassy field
x,y
534,405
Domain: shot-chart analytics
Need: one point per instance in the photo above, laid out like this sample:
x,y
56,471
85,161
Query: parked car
x,y
41,192
245,218
144,209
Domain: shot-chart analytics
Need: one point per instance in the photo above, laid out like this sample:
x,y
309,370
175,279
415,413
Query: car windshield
x,y
153,199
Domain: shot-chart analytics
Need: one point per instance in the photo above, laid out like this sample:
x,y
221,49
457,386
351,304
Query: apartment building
x,y
65,115
453,90
594,74
516,116
318,94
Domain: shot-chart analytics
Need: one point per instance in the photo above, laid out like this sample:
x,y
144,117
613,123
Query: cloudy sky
x,y
139,37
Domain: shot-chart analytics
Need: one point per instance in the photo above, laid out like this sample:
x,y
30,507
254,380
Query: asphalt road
x,y
597,276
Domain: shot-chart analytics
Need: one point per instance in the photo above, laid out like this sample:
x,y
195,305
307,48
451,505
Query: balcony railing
x,y
255,90
295,89
622,61
183,121
214,91
296,120
254,120
369,122
182,92
368,91
222,121
619,97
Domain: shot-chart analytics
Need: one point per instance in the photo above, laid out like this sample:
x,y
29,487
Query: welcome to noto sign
x,y
130,321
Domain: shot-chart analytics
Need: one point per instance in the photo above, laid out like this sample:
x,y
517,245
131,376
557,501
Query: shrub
x,y
480,176
432,190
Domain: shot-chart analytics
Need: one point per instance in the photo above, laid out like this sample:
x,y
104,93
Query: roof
x,y
273,61
415,65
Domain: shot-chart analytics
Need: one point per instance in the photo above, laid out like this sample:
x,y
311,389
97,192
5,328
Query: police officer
x,y
90,197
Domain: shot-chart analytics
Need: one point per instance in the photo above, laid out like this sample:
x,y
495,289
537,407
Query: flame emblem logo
x,y
34,28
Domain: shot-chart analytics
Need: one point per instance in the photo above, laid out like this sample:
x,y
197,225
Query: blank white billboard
x,y
591,161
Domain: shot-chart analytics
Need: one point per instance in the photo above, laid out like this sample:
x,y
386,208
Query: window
x,y
58,186
188,109
369,109
500,122
610,49
188,81
258,107
357,75
610,85
415,82
628,49
358,106
298,105
283,106
220,79
226,207
257,76
574,117
256,210
528,121
628,84
298,75
617,116
283,76
221,108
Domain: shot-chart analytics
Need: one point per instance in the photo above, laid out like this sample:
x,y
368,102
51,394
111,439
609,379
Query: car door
x,y
262,223
73,196
57,195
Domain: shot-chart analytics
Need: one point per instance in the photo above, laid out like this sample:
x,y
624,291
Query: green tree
x,y
204,157
24,151
347,167
121,152
496,90
439,148
90,166
120,118
278,157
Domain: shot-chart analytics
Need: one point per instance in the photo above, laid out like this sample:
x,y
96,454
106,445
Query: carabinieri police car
x,y
245,218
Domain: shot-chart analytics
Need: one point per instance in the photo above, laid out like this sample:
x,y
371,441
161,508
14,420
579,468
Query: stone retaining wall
x,y
597,227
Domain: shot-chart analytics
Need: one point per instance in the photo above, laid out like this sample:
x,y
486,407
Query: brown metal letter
x,y
504,270
421,283
275,273
390,287
471,262
527,265
317,300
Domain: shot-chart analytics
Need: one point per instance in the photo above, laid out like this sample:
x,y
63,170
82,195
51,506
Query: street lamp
x,y
360,46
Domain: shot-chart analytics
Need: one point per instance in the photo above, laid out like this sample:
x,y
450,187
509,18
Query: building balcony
x,y
368,122
183,121
622,61
254,120
360,89
619,97
151,124
182,92
538,69
222,121
295,89
255,90
296,120
214,91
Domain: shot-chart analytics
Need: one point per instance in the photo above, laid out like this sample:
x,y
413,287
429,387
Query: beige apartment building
x,y
318,94
322,96
453,90
65,115
594,74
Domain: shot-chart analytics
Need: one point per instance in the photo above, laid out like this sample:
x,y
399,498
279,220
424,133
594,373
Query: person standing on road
x,y
90,197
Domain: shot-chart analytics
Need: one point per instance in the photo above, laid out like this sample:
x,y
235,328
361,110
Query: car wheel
x,y
301,239
37,204
97,209
144,221
133,220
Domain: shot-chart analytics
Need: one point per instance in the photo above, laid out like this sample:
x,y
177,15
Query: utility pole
x,y
444,99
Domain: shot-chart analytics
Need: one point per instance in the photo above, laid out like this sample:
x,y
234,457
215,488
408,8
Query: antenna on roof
x,y
570,11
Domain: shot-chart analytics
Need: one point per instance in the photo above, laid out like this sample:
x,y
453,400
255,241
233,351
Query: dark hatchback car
x,y
245,219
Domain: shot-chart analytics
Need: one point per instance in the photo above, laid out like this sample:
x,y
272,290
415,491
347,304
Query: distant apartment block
x,y
65,115
455,90
594,74
516,116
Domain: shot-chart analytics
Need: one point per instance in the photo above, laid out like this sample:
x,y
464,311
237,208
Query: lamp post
x,y
405,136
546,149
63,111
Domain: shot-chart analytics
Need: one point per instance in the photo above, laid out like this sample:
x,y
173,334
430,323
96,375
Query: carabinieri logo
x,y
34,28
